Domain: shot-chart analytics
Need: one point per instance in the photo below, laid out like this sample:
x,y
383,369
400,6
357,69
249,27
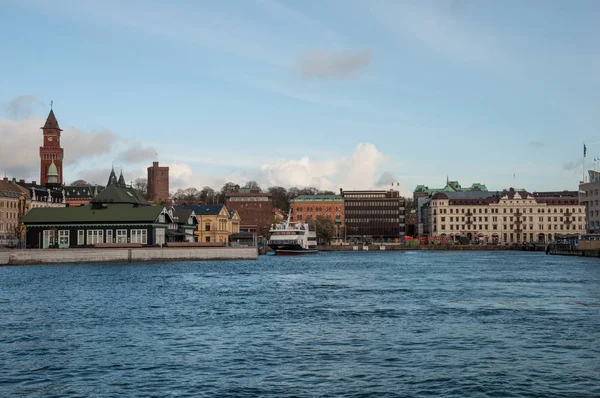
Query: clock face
x,y
49,138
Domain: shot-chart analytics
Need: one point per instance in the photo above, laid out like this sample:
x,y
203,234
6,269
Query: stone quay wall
x,y
125,255
427,247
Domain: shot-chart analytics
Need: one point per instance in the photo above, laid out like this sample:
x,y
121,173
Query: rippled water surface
x,y
328,325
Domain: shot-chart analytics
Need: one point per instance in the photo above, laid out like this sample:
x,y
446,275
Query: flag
x,y
584,150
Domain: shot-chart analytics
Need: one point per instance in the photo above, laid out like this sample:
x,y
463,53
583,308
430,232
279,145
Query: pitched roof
x,y
117,194
182,215
86,191
122,180
51,122
112,178
117,213
10,190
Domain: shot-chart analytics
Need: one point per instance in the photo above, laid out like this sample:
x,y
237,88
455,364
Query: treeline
x,y
208,195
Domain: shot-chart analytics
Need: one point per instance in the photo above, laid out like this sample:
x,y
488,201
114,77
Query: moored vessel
x,y
288,237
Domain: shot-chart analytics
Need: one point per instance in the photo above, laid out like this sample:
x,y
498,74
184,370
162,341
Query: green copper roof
x,y
318,198
52,170
117,213
451,186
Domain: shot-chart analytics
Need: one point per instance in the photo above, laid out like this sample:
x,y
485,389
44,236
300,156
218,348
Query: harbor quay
x,y
397,247
125,255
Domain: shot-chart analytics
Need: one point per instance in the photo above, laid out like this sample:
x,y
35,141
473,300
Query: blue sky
x,y
341,93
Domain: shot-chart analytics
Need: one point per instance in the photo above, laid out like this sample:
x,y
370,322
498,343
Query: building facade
x,y
589,196
511,216
10,212
374,216
51,153
254,207
158,183
118,215
307,207
215,223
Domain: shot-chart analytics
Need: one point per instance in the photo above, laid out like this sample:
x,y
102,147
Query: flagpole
x,y
583,164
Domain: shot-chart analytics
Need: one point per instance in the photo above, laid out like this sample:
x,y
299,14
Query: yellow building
x,y
215,223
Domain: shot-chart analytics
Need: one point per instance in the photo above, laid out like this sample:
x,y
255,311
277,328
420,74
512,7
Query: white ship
x,y
292,238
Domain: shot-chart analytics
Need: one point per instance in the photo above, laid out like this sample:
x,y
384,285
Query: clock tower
x,y
51,153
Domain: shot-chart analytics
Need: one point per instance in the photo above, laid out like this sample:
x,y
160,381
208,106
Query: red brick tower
x,y
158,182
51,151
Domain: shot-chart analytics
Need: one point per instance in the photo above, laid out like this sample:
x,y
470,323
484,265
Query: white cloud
x,y
21,140
321,64
137,153
357,171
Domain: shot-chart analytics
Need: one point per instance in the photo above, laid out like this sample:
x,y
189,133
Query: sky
x,y
334,94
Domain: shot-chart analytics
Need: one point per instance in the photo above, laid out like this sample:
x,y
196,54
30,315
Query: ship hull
x,y
290,249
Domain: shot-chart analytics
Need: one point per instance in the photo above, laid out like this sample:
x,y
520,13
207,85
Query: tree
x,y
188,195
325,229
326,193
207,194
308,191
227,188
280,197
252,185
80,183
141,184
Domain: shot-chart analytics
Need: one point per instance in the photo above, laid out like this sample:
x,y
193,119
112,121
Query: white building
x,y
589,196
511,216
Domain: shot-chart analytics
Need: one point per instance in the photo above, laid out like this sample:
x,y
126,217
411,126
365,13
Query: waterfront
x,y
333,324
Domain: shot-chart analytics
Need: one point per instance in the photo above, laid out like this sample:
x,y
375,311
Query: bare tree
x,y
141,184
80,183
252,185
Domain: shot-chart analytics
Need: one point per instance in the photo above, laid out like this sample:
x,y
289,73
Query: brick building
x,y
306,207
158,182
51,153
254,207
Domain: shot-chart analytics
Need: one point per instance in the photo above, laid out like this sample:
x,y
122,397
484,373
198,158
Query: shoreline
x,y
124,255
330,248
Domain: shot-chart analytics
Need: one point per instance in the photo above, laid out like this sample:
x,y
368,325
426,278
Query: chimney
x,y
33,182
22,181
154,164
14,179
5,179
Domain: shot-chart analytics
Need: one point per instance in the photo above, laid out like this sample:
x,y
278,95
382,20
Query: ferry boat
x,y
292,238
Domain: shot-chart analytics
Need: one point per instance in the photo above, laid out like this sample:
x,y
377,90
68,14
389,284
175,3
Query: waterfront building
x,y
10,213
183,226
254,208
589,196
374,215
307,207
215,223
158,183
510,216
117,215
51,153
423,193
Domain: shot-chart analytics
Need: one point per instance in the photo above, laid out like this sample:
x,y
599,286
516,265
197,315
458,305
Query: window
x,y
207,226
208,239
95,236
109,236
63,238
81,237
139,236
121,236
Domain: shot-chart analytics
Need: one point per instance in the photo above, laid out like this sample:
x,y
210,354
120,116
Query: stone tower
x,y
51,153
158,182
